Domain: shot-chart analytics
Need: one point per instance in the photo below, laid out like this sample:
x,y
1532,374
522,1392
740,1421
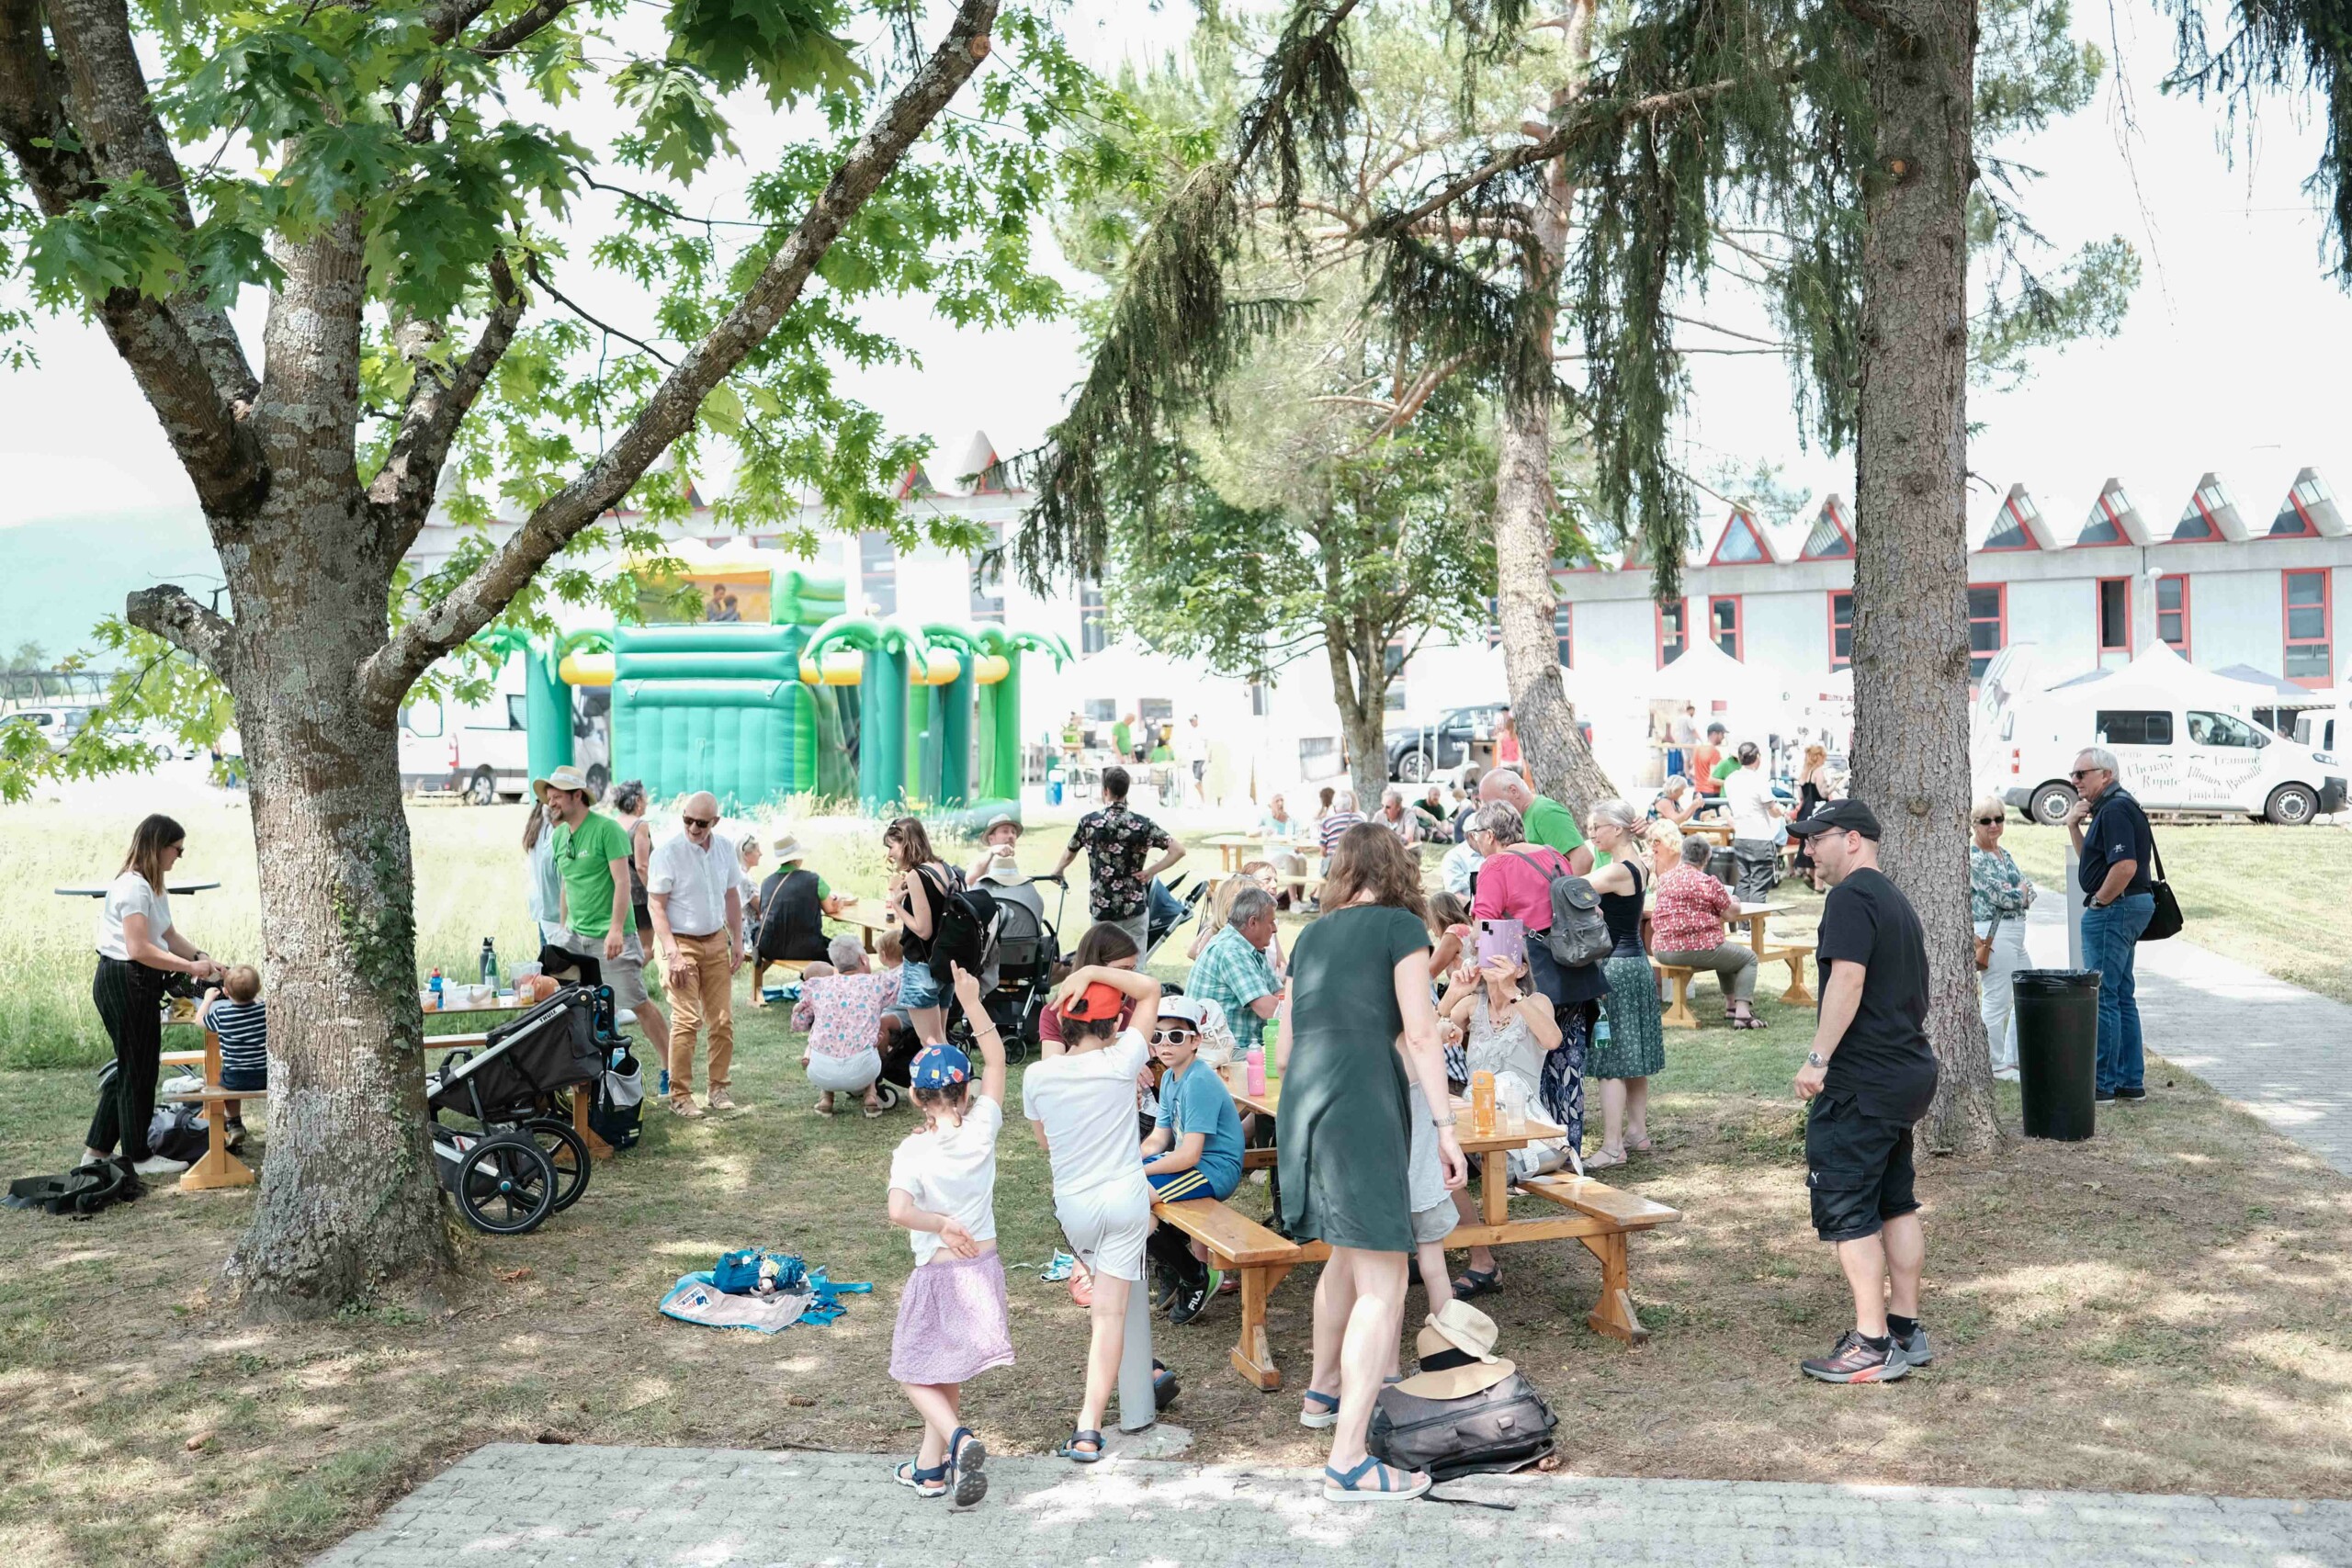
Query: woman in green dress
x,y
1636,1049
1346,1044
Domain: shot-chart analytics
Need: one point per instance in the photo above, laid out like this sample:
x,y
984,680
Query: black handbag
x,y
2165,920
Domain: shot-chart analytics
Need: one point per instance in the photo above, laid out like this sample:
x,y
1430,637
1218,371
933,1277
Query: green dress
x,y
1345,1140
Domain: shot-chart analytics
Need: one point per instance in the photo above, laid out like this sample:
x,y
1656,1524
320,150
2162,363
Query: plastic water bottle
x,y
489,964
437,985
1601,1034
1257,1070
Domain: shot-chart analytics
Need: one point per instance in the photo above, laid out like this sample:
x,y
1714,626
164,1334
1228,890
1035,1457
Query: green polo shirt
x,y
584,857
1553,825
1725,769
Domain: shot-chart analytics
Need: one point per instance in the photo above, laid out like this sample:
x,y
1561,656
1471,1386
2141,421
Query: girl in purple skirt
x,y
952,1321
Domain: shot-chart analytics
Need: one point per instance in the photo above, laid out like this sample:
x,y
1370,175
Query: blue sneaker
x,y
1058,1267
665,1080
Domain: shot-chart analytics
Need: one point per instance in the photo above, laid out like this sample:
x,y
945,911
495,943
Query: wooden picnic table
x,y
1600,1217
1718,832
1757,918
1232,849
177,888
871,918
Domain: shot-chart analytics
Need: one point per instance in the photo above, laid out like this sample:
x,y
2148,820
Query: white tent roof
x,y
1705,673
2160,677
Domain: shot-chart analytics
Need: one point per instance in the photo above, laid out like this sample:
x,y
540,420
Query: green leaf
x,y
788,45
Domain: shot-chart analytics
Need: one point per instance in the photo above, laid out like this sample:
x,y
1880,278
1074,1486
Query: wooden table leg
x,y
1615,1316
1252,1358
1796,994
597,1147
1679,1015
219,1167
1493,1186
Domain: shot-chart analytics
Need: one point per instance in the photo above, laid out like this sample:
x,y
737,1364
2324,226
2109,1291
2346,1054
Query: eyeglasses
x,y
699,821
1170,1036
1988,821
2085,773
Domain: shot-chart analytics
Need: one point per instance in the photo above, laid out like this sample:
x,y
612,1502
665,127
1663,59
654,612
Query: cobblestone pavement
x,y
2273,1047
521,1505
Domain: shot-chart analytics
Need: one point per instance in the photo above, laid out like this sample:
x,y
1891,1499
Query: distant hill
x,y
59,579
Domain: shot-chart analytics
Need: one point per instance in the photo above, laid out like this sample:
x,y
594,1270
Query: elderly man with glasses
x,y
2110,835
694,888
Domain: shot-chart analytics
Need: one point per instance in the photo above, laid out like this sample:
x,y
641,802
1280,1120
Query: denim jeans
x,y
2110,942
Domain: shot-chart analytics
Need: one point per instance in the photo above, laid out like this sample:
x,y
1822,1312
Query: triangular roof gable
x,y
1832,536
2210,514
2113,520
915,482
1744,541
981,468
2309,511
2019,524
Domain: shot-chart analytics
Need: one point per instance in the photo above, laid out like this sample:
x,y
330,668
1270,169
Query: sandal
x,y
1325,1414
821,1108
931,1483
1164,1387
1645,1146
1478,1282
966,1454
874,1109
1352,1485
1602,1160
1071,1451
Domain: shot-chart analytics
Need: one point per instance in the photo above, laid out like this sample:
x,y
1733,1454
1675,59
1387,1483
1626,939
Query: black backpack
x,y
1493,1432
176,1132
80,1192
963,928
616,1111
1579,934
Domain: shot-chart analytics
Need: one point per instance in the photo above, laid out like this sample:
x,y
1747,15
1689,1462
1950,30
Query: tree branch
x,y
445,24
531,265
169,612
402,492
387,674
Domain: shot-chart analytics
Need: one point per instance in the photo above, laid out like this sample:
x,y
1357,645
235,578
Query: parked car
x,y
57,725
1422,753
481,751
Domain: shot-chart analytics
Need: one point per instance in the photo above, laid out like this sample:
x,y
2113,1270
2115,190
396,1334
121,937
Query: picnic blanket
x,y
810,1298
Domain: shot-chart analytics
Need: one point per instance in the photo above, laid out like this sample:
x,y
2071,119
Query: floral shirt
x,y
1117,842
1996,885
1689,915
843,1013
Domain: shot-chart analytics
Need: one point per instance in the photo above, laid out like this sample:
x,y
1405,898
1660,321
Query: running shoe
x,y
1058,1267
1854,1361
1916,1349
1193,1299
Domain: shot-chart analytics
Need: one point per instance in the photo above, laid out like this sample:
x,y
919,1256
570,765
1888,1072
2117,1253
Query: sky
x,y
2233,357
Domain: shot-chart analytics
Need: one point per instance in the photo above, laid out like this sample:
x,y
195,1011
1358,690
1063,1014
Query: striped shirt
x,y
1335,824
243,1028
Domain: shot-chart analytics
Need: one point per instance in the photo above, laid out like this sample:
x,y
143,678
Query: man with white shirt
x,y
694,888
1755,813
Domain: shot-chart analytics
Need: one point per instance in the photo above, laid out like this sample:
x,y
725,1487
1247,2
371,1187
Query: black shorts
x,y
1856,1168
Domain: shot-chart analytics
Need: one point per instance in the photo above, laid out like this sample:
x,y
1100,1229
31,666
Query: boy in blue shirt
x,y
1195,1152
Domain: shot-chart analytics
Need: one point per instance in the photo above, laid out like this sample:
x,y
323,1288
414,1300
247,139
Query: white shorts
x,y
1107,1225
837,1075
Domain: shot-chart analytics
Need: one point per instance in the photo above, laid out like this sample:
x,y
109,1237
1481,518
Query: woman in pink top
x,y
841,1007
1505,740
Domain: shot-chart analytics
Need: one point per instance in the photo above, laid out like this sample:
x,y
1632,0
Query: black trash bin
x,y
2057,1013
1723,867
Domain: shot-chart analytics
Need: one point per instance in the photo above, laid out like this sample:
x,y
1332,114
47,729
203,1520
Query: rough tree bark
x,y
348,1202
1559,762
1911,533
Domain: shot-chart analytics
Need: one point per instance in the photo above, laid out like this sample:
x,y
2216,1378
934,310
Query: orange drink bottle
x,y
1482,1103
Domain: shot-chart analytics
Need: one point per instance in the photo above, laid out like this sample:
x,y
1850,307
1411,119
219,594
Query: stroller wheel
x,y
505,1185
565,1152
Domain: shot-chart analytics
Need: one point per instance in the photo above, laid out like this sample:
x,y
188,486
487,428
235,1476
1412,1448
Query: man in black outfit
x,y
1869,1076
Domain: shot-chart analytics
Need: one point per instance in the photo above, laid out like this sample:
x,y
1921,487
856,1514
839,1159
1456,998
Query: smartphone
x,y
1503,939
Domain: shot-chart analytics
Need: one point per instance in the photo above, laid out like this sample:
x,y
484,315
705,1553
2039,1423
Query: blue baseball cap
x,y
940,1067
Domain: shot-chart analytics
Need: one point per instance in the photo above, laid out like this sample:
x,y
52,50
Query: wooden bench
x,y
1616,1214
1235,1241
219,1167
1794,950
1679,1015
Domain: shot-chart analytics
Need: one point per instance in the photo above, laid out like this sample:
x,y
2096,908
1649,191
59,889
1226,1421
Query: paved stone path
x,y
2271,1046
520,1506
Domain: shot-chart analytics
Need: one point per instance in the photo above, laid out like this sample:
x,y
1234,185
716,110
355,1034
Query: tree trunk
x,y
1911,533
1559,764
1360,688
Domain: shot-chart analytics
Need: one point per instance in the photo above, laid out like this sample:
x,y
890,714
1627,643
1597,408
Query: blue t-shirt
x,y
243,1028
1197,1100
2118,830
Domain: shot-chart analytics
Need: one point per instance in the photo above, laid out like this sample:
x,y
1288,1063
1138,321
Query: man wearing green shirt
x,y
1123,739
1548,822
592,856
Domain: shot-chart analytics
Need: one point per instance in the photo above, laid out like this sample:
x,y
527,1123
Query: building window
x,y
878,571
1741,544
1093,621
2114,614
1261,697
1722,622
2201,518
1841,628
2013,529
2311,658
1672,637
2295,519
1830,538
1494,622
2172,613
1988,624
1564,632
988,587
1100,710
2105,523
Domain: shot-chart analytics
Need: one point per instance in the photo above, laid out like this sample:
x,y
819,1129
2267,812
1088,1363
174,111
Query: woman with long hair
x,y
1351,1048
1635,1049
139,950
1816,785
628,805
920,883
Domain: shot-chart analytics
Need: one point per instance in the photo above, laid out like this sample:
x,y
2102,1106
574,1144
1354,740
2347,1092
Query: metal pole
x,y
2075,900
1138,1408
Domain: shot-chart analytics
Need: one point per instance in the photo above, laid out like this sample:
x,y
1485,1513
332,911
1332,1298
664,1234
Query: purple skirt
x,y
952,1321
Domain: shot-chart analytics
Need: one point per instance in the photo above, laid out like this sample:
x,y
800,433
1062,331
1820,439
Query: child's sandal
x,y
931,1483
1071,1451
966,1454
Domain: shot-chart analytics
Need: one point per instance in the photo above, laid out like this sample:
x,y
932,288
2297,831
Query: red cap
x,y
1097,1002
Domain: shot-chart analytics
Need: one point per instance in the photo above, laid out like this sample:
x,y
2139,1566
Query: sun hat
x,y
1001,819
1838,817
940,1067
1092,1005
1006,869
564,777
1457,1351
787,850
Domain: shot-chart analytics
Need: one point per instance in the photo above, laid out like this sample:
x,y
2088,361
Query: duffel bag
x,y
1491,1432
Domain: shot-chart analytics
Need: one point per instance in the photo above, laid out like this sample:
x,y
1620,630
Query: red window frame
x,y
1755,536
2107,514
1681,629
2325,642
2181,646
2032,541
1739,618
2099,614
2000,592
1838,661
1836,515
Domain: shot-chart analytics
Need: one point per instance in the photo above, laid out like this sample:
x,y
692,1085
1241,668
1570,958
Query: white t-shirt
x,y
953,1172
696,881
1087,1104
129,893
1750,795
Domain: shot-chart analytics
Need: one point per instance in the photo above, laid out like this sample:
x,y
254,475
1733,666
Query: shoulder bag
x,y
1985,945
2164,920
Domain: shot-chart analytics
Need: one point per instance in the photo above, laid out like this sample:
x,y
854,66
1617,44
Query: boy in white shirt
x,y
953,1323
1081,1107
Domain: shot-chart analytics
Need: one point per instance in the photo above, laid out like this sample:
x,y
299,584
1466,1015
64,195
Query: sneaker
x,y
1914,1350
1058,1267
2104,1096
1854,1360
1164,1289
2140,1093
156,1165
665,1080
1193,1299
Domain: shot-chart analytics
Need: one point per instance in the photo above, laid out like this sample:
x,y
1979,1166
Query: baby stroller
x,y
519,1162
1027,951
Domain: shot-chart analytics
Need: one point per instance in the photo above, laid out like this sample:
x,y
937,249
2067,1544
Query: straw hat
x,y
1457,1351
789,851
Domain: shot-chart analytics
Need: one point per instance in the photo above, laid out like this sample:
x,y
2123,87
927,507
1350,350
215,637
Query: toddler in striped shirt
x,y
234,1011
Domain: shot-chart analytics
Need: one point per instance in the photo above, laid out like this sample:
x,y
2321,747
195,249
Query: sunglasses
x,y
2085,773
699,821
1170,1036
1990,821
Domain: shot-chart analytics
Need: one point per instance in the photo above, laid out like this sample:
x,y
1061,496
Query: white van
x,y
481,751
2326,729
2182,741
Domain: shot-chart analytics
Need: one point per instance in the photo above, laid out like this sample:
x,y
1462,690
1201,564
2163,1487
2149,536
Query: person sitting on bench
x,y
234,1011
1687,932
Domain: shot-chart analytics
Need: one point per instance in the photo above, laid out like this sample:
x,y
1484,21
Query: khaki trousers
x,y
704,994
